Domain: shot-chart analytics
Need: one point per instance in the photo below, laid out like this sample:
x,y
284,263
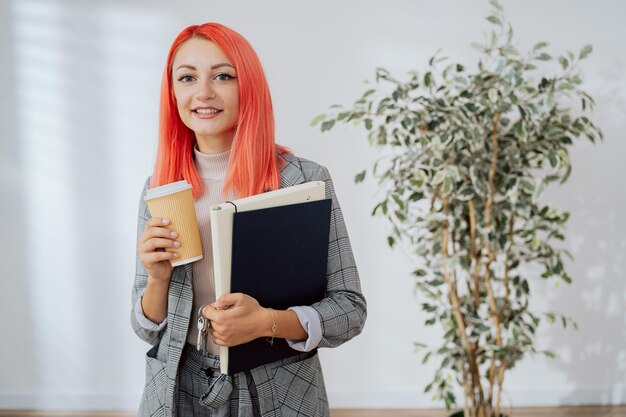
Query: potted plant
x,y
469,155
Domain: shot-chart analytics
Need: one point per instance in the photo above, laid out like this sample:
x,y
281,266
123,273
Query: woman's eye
x,y
185,78
224,77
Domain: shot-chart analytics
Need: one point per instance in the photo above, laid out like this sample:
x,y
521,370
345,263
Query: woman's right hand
x,y
151,248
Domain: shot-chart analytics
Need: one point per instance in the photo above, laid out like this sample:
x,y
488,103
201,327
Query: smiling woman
x,y
217,132
207,95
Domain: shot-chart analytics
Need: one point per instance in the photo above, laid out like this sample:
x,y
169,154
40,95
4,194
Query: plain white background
x,y
79,91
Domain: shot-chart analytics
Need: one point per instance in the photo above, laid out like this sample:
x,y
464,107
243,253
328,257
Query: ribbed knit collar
x,y
211,166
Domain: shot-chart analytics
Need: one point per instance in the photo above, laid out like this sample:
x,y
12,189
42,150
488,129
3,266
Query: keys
x,y
203,327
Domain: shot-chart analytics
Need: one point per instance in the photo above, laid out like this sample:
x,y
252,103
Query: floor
x,y
596,411
587,411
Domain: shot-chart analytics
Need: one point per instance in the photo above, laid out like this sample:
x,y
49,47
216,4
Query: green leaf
x,y
368,124
496,5
429,308
379,205
471,107
360,176
450,397
566,278
495,20
540,45
585,52
448,186
564,62
549,354
398,201
482,328
428,79
439,177
368,93
528,186
544,57
327,125
552,158
391,241
417,346
525,287
419,273
493,95
318,119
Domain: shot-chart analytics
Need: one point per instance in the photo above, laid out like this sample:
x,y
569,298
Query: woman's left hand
x,y
236,319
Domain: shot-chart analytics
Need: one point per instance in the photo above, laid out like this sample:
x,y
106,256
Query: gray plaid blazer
x,y
285,388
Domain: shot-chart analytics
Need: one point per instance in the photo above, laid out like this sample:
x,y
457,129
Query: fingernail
x,y
173,234
166,221
176,244
176,255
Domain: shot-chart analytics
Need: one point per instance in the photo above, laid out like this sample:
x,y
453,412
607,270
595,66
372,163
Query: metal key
x,y
202,331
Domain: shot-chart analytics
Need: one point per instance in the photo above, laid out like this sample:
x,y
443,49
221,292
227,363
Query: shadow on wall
x,y
16,350
70,61
59,99
596,236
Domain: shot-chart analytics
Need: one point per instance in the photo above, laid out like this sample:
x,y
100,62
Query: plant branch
x,y
493,308
474,253
470,348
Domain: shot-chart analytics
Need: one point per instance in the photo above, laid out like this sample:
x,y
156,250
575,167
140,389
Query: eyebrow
x,y
191,67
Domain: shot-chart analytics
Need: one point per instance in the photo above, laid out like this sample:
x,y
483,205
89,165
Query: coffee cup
x,y
175,202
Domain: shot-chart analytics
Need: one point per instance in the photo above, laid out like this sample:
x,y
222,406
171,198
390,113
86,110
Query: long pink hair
x,y
253,166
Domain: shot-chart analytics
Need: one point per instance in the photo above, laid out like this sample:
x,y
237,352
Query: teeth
x,y
207,111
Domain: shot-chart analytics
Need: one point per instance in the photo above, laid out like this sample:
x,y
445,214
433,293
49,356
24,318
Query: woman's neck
x,y
215,144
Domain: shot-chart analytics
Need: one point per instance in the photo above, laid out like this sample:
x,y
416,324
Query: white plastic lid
x,y
167,189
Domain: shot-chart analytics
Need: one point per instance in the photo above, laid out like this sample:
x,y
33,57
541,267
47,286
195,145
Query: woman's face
x,y
207,94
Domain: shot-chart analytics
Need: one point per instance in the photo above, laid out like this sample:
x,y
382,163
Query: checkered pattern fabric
x,y
290,388
196,375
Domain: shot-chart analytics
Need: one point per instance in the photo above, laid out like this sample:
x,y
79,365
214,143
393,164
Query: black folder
x,y
279,257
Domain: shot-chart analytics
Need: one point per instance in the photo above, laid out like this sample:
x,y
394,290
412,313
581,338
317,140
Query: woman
x,y
217,132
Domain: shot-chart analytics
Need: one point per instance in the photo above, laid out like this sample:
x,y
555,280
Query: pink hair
x,y
253,166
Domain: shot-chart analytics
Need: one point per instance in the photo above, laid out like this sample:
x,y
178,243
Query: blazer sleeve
x,y
152,337
343,311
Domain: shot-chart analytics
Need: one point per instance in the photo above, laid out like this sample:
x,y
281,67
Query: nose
x,y
205,90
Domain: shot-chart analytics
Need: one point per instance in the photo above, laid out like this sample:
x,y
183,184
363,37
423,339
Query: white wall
x,y
79,99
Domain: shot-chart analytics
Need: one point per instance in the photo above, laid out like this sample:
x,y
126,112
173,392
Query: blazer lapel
x,y
290,172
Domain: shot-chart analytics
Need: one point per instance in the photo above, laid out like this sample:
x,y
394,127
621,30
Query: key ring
x,y
200,310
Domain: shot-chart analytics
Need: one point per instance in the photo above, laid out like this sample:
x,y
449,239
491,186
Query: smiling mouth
x,y
206,111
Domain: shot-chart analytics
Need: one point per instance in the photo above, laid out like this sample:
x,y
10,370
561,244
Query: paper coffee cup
x,y
175,201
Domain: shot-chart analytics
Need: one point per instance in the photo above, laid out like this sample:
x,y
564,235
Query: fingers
x,y
215,337
228,300
158,221
155,243
210,312
149,258
220,339
157,237
155,227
